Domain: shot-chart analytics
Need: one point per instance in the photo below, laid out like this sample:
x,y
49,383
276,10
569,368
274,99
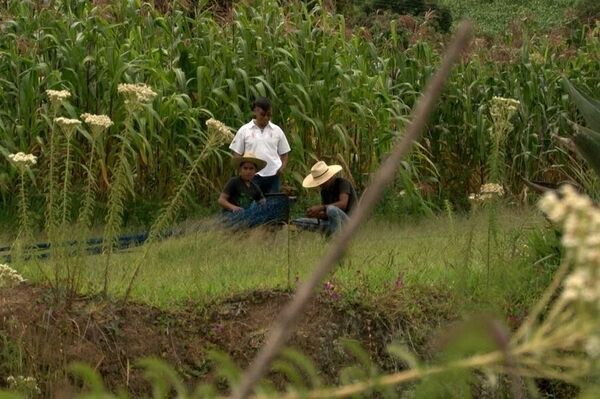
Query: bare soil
x,y
41,338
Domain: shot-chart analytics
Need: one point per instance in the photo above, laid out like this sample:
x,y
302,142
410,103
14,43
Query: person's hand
x,y
314,211
236,209
280,172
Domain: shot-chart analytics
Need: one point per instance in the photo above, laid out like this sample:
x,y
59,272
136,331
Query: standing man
x,y
267,141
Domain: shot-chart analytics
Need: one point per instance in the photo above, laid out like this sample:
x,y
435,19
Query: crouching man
x,y
241,197
338,197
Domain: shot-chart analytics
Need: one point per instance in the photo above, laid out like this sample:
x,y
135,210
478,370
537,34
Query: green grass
x,y
496,16
448,254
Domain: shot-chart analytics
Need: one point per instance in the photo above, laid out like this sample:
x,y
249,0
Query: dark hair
x,y
263,103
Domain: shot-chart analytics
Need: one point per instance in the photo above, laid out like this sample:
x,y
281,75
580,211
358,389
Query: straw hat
x,y
319,174
249,157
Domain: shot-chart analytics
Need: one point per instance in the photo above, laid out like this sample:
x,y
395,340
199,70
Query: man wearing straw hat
x,y
241,195
338,197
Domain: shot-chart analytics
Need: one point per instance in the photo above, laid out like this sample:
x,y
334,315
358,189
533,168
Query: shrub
x,y
443,16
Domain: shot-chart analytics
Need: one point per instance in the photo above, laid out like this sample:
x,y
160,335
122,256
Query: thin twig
x,y
284,325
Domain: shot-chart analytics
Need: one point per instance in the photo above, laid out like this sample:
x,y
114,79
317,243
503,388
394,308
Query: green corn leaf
x,y
589,107
588,145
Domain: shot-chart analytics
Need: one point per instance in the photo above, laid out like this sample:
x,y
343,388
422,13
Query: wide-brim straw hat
x,y
249,157
319,174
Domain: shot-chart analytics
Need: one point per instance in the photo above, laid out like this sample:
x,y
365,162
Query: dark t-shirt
x,y
241,194
331,194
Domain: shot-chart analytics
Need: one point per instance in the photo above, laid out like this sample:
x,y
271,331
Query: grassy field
x,y
457,254
495,17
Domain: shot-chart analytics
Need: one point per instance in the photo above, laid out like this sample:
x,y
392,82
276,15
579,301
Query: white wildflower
x,y
98,121
136,93
21,159
26,385
555,209
68,125
223,132
57,96
9,277
592,346
492,188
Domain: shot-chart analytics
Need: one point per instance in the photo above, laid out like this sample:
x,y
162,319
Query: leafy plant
x,y
586,139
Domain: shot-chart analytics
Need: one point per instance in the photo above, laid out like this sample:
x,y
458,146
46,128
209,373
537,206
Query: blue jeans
x,y
335,219
275,210
268,184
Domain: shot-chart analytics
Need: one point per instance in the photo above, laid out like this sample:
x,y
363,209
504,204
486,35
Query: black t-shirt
x,y
331,194
241,194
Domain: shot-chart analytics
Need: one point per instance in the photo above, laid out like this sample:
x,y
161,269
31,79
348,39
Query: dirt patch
x,y
40,339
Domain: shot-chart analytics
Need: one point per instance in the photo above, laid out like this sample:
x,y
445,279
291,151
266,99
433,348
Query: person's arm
x,y
237,145
284,162
283,149
342,203
320,211
225,204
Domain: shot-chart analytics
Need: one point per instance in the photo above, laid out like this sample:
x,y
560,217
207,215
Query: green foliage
x,y
587,139
588,9
442,14
495,17
336,95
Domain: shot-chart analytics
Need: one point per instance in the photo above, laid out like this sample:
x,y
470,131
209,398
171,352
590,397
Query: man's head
x,y
321,175
247,171
248,165
261,108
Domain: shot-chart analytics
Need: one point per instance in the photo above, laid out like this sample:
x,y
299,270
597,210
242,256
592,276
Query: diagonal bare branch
x,y
284,325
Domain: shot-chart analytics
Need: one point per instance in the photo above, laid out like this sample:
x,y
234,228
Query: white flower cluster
x,y
509,104
22,159
9,277
580,220
66,122
68,125
592,346
99,121
137,93
58,96
22,384
487,191
223,132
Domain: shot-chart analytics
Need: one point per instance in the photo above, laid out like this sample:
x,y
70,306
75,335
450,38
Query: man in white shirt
x,y
267,141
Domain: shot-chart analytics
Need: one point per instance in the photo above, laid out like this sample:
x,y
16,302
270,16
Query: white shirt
x,y
267,144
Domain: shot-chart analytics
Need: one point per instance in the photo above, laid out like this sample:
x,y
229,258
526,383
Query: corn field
x,y
339,94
